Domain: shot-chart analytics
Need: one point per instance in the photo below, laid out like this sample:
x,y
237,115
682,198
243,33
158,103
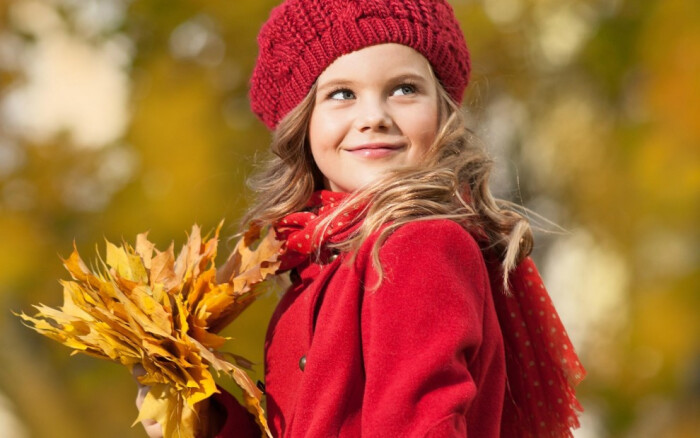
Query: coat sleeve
x,y
238,421
421,328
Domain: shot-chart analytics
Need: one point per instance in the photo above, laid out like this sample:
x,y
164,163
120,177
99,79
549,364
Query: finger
x,y
153,430
137,371
141,395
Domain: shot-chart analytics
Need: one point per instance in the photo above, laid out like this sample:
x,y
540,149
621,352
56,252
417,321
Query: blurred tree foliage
x,y
594,104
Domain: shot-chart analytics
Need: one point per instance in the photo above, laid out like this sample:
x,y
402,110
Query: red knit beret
x,y
303,37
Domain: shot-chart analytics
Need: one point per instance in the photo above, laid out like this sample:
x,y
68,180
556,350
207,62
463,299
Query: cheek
x,y
325,133
422,127
323,139
313,135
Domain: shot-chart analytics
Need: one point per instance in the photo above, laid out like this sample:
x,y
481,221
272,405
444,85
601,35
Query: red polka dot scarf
x,y
302,232
542,366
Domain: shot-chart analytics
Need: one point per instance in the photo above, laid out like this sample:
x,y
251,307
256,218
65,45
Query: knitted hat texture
x,y
303,37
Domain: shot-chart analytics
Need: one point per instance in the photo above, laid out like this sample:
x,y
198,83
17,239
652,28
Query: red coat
x,y
420,356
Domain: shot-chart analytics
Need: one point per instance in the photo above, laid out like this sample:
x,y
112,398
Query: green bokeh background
x,y
591,110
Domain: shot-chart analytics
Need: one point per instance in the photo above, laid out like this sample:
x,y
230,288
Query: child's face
x,y
375,109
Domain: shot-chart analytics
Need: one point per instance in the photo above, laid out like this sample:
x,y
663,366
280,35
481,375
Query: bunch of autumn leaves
x,y
147,307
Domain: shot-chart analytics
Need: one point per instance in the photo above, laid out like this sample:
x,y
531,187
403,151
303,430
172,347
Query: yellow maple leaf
x,y
150,308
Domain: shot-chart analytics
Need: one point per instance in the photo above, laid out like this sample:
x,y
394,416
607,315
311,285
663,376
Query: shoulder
x,y
437,234
435,250
423,239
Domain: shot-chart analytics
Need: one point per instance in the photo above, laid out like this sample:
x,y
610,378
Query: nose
x,y
373,115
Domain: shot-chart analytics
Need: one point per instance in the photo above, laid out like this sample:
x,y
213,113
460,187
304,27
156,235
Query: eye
x,y
404,89
341,94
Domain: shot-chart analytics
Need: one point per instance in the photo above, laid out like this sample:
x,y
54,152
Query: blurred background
x,y
119,116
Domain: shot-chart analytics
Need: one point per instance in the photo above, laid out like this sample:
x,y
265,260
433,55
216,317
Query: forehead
x,y
382,61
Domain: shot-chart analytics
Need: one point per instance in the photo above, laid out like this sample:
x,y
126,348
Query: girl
x,y
414,310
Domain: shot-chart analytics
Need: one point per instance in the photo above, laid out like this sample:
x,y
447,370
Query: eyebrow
x,y
337,83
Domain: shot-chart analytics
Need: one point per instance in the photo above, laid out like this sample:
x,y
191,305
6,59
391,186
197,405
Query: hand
x,y
152,427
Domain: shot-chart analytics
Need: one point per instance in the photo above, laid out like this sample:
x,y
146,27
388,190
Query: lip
x,y
375,150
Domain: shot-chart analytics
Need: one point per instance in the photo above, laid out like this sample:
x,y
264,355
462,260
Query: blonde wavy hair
x,y
452,183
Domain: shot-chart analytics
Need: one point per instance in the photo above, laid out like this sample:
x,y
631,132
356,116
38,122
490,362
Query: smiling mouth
x,y
375,150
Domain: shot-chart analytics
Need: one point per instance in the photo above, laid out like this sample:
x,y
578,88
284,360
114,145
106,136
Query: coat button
x,y
302,363
332,257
